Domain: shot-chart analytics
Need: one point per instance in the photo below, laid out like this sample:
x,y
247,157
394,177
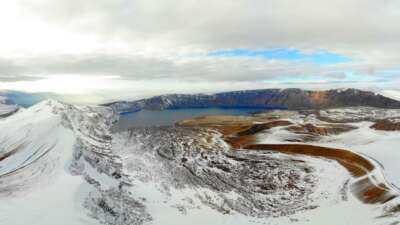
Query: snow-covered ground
x,y
383,146
177,200
60,164
37,186
354,114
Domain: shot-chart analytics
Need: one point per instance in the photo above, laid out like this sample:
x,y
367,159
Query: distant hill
x,y
292,99
24,99
7,107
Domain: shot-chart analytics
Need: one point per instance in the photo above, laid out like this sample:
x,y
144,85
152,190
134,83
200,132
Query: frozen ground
x,y
59,164
379,145
37,185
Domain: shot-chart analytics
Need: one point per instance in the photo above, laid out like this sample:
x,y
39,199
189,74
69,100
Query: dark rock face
x,y
293,99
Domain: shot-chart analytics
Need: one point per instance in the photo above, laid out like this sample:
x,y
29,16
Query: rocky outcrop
x,y
292,99
366,188
230,182
387,125
53,140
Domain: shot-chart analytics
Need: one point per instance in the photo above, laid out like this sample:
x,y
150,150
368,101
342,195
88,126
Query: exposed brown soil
x,y
386,125
238,142
264,126
241,135
365,189
324,130
226,125
238,131
342,156
318,97
274,115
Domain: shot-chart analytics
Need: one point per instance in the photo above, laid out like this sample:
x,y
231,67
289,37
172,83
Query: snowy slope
x,y
37,185
380,147
185,198
59,164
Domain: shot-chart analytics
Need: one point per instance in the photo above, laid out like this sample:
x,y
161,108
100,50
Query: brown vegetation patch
x,y
346,158
275,115
240,133
264,126
324,130
366,189
372,193
318,97
237,130
227,125
240,141
386,125
375,194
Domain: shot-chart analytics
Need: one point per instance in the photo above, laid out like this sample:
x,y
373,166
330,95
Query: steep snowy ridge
x,y
43,150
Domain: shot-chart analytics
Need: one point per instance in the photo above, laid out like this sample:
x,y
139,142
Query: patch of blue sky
x,y
380,76
322,57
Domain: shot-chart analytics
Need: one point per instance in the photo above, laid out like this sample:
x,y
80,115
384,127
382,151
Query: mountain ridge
x,y
291,99
55,153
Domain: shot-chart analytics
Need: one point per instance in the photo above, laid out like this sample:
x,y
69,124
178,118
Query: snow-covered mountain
x,y
48,154
60,164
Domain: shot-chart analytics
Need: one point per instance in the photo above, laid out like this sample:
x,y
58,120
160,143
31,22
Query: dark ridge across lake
x,y
168,117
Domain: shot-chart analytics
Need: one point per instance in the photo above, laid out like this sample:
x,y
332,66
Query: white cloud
x,y
144,45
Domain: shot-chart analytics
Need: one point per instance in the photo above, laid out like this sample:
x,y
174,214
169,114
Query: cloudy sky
x,y
101,50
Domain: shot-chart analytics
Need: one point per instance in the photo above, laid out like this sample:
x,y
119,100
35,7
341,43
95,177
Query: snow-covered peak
x,y
43,149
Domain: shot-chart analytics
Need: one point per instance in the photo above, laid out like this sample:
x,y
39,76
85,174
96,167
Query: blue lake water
x,y
147,118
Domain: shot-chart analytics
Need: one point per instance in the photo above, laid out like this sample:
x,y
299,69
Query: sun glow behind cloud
x,y
63,84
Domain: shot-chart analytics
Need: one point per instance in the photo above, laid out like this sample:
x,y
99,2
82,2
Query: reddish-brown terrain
x,y
386,125
241,134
